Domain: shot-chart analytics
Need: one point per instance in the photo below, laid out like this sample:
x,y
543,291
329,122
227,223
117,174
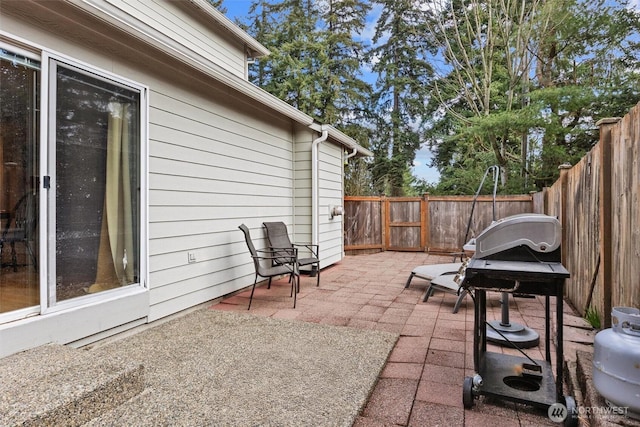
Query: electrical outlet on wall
x,y
191,257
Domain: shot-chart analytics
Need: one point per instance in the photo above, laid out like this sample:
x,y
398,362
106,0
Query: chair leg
x,y
297,286
33,256
269,285
318,274
459,301
427,293
14,257
253,289
409,280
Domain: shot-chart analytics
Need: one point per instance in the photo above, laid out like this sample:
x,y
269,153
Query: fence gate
x,y
436,224
405,224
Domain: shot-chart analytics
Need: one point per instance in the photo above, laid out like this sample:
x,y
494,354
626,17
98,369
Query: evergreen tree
x,y
296,55
262,24
345,95
587,69
525,83
400,58
316,64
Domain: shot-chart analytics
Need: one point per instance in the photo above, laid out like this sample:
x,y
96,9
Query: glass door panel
x,y
19,277
97,182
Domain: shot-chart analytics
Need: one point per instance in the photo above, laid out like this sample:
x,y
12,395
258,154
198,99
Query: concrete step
x,y
56,385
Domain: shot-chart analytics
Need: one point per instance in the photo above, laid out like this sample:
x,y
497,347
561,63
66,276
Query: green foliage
x,y
576,67
592,316
481,82
315,64
218,5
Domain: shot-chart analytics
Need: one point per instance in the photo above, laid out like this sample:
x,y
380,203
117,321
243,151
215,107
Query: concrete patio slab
x,y
359,350
368,292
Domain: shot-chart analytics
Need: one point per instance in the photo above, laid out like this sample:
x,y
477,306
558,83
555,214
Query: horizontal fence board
x,y
431,223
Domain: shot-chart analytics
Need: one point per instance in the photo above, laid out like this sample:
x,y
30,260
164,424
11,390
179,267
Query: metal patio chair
x,y
20,228
263,261
278,237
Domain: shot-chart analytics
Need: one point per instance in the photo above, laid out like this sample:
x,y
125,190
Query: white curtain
x,y
116,262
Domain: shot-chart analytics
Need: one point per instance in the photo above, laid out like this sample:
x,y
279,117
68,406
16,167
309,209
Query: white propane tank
x,y
616,360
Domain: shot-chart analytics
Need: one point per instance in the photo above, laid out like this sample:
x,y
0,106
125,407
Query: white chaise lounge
x,y
441,278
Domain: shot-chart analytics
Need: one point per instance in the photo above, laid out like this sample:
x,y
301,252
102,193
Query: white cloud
x,y
370,28
421,168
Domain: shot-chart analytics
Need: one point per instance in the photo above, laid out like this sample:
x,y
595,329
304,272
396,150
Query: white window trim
x,y
19,49
47,299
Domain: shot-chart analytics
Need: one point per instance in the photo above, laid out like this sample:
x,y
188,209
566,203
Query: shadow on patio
x,y
421,384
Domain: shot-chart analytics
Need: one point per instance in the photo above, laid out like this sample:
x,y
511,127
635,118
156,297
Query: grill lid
x,y
523,237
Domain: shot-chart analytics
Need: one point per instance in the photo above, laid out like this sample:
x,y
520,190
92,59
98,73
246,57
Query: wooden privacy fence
x,y
437,224
598,202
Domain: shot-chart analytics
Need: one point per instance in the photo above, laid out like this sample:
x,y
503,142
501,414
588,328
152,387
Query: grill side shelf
x,y
514,276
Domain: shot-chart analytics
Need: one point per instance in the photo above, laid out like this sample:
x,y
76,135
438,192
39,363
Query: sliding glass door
x,y
71,206
97,183
19,98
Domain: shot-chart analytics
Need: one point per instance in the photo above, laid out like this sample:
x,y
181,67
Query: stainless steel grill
x,y
520,254
524,237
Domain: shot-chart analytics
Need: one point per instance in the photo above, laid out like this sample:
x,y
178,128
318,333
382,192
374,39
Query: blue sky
x,y
239,9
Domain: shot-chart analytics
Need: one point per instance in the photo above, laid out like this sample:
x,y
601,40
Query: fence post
x,y
426,232
605,216
384,222
564,169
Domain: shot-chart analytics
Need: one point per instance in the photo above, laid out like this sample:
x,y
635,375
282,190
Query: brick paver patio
x,y
421,384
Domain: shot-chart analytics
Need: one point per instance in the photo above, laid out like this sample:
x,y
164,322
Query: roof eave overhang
x,y
255,48
135,28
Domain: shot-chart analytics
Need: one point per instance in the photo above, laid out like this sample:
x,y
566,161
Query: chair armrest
x,y
313,248
279,255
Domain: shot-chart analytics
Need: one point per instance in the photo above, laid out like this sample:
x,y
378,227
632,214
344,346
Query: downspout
x,y
350,155
315,182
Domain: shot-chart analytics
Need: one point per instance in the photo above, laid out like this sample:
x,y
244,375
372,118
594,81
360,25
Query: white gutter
x,y
315,182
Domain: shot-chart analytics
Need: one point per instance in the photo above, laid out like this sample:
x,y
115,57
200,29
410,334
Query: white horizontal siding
x,y
330,194
300,230
181,24
216,160
214,164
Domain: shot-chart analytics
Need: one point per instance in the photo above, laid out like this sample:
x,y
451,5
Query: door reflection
x,y
19,279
